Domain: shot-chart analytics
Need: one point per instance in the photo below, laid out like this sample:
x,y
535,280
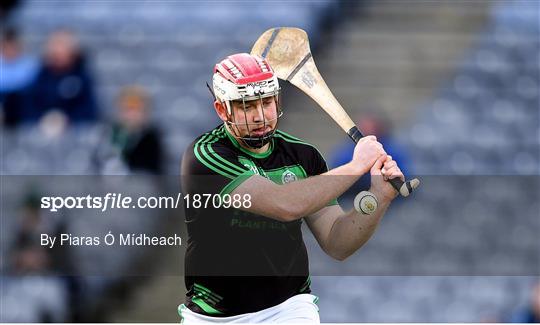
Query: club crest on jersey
x,y
288,177
253,169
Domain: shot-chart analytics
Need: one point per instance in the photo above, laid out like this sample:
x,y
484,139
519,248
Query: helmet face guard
x,y
250,140
242,78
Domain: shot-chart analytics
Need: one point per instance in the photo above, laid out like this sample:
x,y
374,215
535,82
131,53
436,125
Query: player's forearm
x,y
314,193
352,230
298,199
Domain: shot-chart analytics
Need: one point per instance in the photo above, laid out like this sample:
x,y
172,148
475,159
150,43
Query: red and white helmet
x,y
244,77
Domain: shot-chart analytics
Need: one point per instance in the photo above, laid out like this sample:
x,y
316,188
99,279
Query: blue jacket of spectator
x,y
70,91
17,76
524,316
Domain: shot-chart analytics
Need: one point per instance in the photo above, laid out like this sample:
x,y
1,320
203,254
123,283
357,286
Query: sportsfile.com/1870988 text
x,y
120,201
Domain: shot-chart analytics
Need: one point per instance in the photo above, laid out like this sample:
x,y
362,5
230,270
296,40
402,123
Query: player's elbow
x,y
338,253
288,214
278,209
287,211
339,256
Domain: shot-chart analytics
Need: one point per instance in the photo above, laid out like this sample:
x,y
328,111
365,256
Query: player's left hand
x,y
384,169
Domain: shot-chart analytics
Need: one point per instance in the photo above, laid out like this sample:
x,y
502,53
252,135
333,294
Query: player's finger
x,y
380,147
395,172
389,164
376,169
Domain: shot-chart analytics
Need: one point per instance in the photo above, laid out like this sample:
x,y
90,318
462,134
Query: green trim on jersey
x,y
204,159
206,307
207,156
206,299
212,296
277,175
280,176
244,150
236,182
306,284
220,134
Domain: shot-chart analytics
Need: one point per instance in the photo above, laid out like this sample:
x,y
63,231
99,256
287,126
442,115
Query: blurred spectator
x,y
530,314
32,293
135,140
64,84
18,71
29,255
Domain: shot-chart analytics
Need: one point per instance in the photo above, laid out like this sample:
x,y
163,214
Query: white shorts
x,y
298,309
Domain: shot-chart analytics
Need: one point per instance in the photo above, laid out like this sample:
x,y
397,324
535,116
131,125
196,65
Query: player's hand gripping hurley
x,y
287,50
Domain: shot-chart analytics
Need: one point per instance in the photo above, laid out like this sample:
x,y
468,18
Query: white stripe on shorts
x,y
297,309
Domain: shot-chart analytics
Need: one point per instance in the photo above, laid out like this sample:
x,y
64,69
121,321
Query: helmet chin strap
x,y
258,142
254,142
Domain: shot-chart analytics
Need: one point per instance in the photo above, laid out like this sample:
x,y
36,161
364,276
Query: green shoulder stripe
x,y
205,150
205,297
206,307
207,162
218,135
206,155
206,290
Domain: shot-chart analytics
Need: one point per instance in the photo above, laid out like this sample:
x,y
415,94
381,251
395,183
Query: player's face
x,y
255,118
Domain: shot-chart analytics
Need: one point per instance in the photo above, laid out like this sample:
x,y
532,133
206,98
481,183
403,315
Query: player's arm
x,y
298,199
341,233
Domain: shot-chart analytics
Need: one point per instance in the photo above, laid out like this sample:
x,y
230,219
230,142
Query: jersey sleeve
x,y
316,165
212,168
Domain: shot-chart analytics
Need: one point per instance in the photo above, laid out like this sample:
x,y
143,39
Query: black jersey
x,y
238,262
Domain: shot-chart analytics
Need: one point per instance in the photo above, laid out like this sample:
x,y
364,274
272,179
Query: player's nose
x,y
258,115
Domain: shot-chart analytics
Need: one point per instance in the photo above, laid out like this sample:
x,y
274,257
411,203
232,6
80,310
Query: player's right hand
x,y
366,153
